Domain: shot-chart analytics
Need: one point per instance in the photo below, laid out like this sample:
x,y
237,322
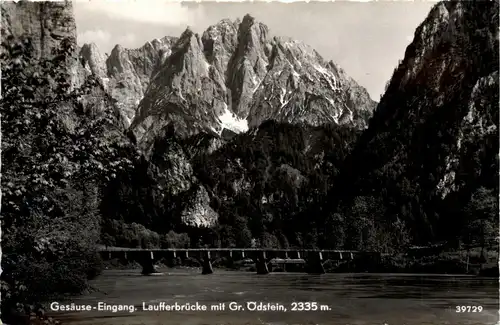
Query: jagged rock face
x,y
198,212
219,44
50,26
187,92
235,76
301,87
93,61
435,131
438,41
452,63
130,71
174,172
126,73
46,23
249,65
479,126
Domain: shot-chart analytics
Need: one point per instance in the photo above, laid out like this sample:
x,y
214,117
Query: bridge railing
x,y
114,249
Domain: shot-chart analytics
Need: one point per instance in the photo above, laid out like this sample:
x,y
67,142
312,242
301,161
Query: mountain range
x,y
233,77
240,138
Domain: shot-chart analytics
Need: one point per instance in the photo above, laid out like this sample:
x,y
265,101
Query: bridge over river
x,y
264,258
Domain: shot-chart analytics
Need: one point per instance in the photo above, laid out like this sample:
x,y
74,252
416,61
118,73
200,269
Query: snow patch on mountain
x,y
207,65
328,76
231,122
258,85
282,96
180,95
254,80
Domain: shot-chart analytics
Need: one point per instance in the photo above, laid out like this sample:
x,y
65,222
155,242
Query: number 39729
x,y
468,309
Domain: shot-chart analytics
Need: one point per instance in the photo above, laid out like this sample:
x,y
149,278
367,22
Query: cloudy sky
x,y
365,38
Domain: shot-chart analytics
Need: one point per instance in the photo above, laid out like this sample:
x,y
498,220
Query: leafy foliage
x,y
56,155
482,218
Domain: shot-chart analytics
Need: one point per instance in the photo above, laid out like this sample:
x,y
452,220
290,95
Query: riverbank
x,y
423,265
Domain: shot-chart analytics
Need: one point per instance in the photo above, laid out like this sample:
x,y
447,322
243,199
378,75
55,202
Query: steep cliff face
x,y
51,28
249,63
173,167
186,92
46,23
234,76
433,139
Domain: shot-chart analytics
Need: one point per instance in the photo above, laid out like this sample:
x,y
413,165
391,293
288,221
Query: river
x,y
354,299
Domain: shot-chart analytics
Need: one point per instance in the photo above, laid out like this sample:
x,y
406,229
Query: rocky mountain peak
x,y
87,50
119,60
219,43
93,61
233,76
249,63
308,89
187,38
189,46
126,73
252,33
446,27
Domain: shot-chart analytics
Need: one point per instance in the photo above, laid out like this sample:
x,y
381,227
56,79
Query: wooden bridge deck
x,y
125,249
313,258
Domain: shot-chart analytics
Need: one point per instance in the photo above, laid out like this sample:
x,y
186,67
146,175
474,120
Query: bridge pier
x,y
207,264
315,263
123,258
264,258
148,266
261,264
269,267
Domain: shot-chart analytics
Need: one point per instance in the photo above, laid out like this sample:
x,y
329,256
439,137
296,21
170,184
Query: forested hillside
x,y
430,154
76,174
425,170
252,187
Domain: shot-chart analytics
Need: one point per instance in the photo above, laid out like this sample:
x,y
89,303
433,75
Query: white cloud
x,y
93,36
126,40
104,40
160,12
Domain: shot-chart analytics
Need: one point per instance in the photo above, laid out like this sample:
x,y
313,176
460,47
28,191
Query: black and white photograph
x,y
249,162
